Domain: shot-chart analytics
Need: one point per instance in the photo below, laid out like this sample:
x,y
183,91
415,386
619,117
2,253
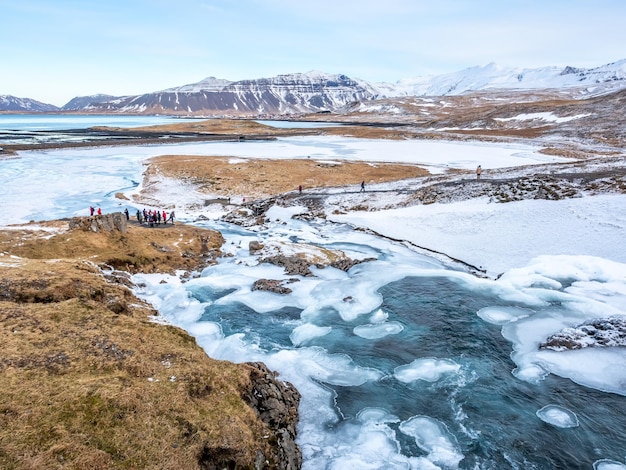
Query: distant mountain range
x,y
321,92
12,103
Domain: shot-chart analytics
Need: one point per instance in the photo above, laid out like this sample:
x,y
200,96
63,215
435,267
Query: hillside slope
x,y
90,381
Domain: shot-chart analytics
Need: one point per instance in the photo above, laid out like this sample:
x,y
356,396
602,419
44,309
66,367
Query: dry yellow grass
x,y
165,248
264,177
88,381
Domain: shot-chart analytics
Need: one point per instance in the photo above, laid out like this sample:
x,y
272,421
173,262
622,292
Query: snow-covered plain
x,y
558,263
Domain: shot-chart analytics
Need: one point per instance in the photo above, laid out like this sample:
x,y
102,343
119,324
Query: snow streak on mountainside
x,y
81,102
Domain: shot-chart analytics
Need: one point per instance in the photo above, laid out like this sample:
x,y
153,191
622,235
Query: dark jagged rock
x,y
276,403
298,266
120,277
274,285
601,332
293,265
346,263
100,223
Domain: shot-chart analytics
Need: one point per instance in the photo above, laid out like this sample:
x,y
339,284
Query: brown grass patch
x,y
234,127
165,248
576,153
530,133
89,382
261,178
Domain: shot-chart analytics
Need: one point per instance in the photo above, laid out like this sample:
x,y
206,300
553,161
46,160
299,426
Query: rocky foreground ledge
x,y
89,381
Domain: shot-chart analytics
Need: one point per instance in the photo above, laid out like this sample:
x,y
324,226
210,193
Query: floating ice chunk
x,y
372,449
502,315
307,332
433,437
336,369
605,464
379,316
558,416
205,330
429,369
532,373
376,415
379,330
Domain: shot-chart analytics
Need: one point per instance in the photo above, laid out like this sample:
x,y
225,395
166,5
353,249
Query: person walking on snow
x,y
127,214
362,186
479,170
91,210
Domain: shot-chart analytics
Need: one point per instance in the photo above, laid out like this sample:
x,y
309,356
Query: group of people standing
x,y
154,217
150,217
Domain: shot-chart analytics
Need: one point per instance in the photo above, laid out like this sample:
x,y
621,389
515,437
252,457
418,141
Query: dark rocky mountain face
x,y
81,102
295,93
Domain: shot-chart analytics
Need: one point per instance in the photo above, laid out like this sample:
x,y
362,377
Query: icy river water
x,y
395,362
402,362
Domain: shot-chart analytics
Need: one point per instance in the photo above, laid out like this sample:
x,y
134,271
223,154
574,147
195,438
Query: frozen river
x,y
402,362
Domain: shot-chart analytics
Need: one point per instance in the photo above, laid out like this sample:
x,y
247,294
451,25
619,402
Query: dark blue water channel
x,y
491,413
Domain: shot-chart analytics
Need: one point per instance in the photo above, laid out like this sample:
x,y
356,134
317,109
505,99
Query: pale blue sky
x,y
53,50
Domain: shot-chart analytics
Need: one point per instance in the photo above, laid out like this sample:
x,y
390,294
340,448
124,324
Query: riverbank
x,y
90,380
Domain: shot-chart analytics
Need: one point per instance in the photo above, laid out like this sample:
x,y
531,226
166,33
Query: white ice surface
x,y
499,236
39,184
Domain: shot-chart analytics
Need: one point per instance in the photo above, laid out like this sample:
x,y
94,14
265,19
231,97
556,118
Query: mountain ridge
x,y
314,91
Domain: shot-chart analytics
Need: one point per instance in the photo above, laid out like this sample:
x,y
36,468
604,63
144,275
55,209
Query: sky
x,y
54,50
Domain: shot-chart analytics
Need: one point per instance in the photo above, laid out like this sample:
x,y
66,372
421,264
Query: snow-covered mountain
x,y
81,102
493,76
283,94
13,103
322,92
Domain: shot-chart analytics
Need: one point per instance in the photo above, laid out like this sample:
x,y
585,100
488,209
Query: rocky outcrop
x,y
297,266
601,332
276,403
115,221
274,285
255,246
294,266
346,263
